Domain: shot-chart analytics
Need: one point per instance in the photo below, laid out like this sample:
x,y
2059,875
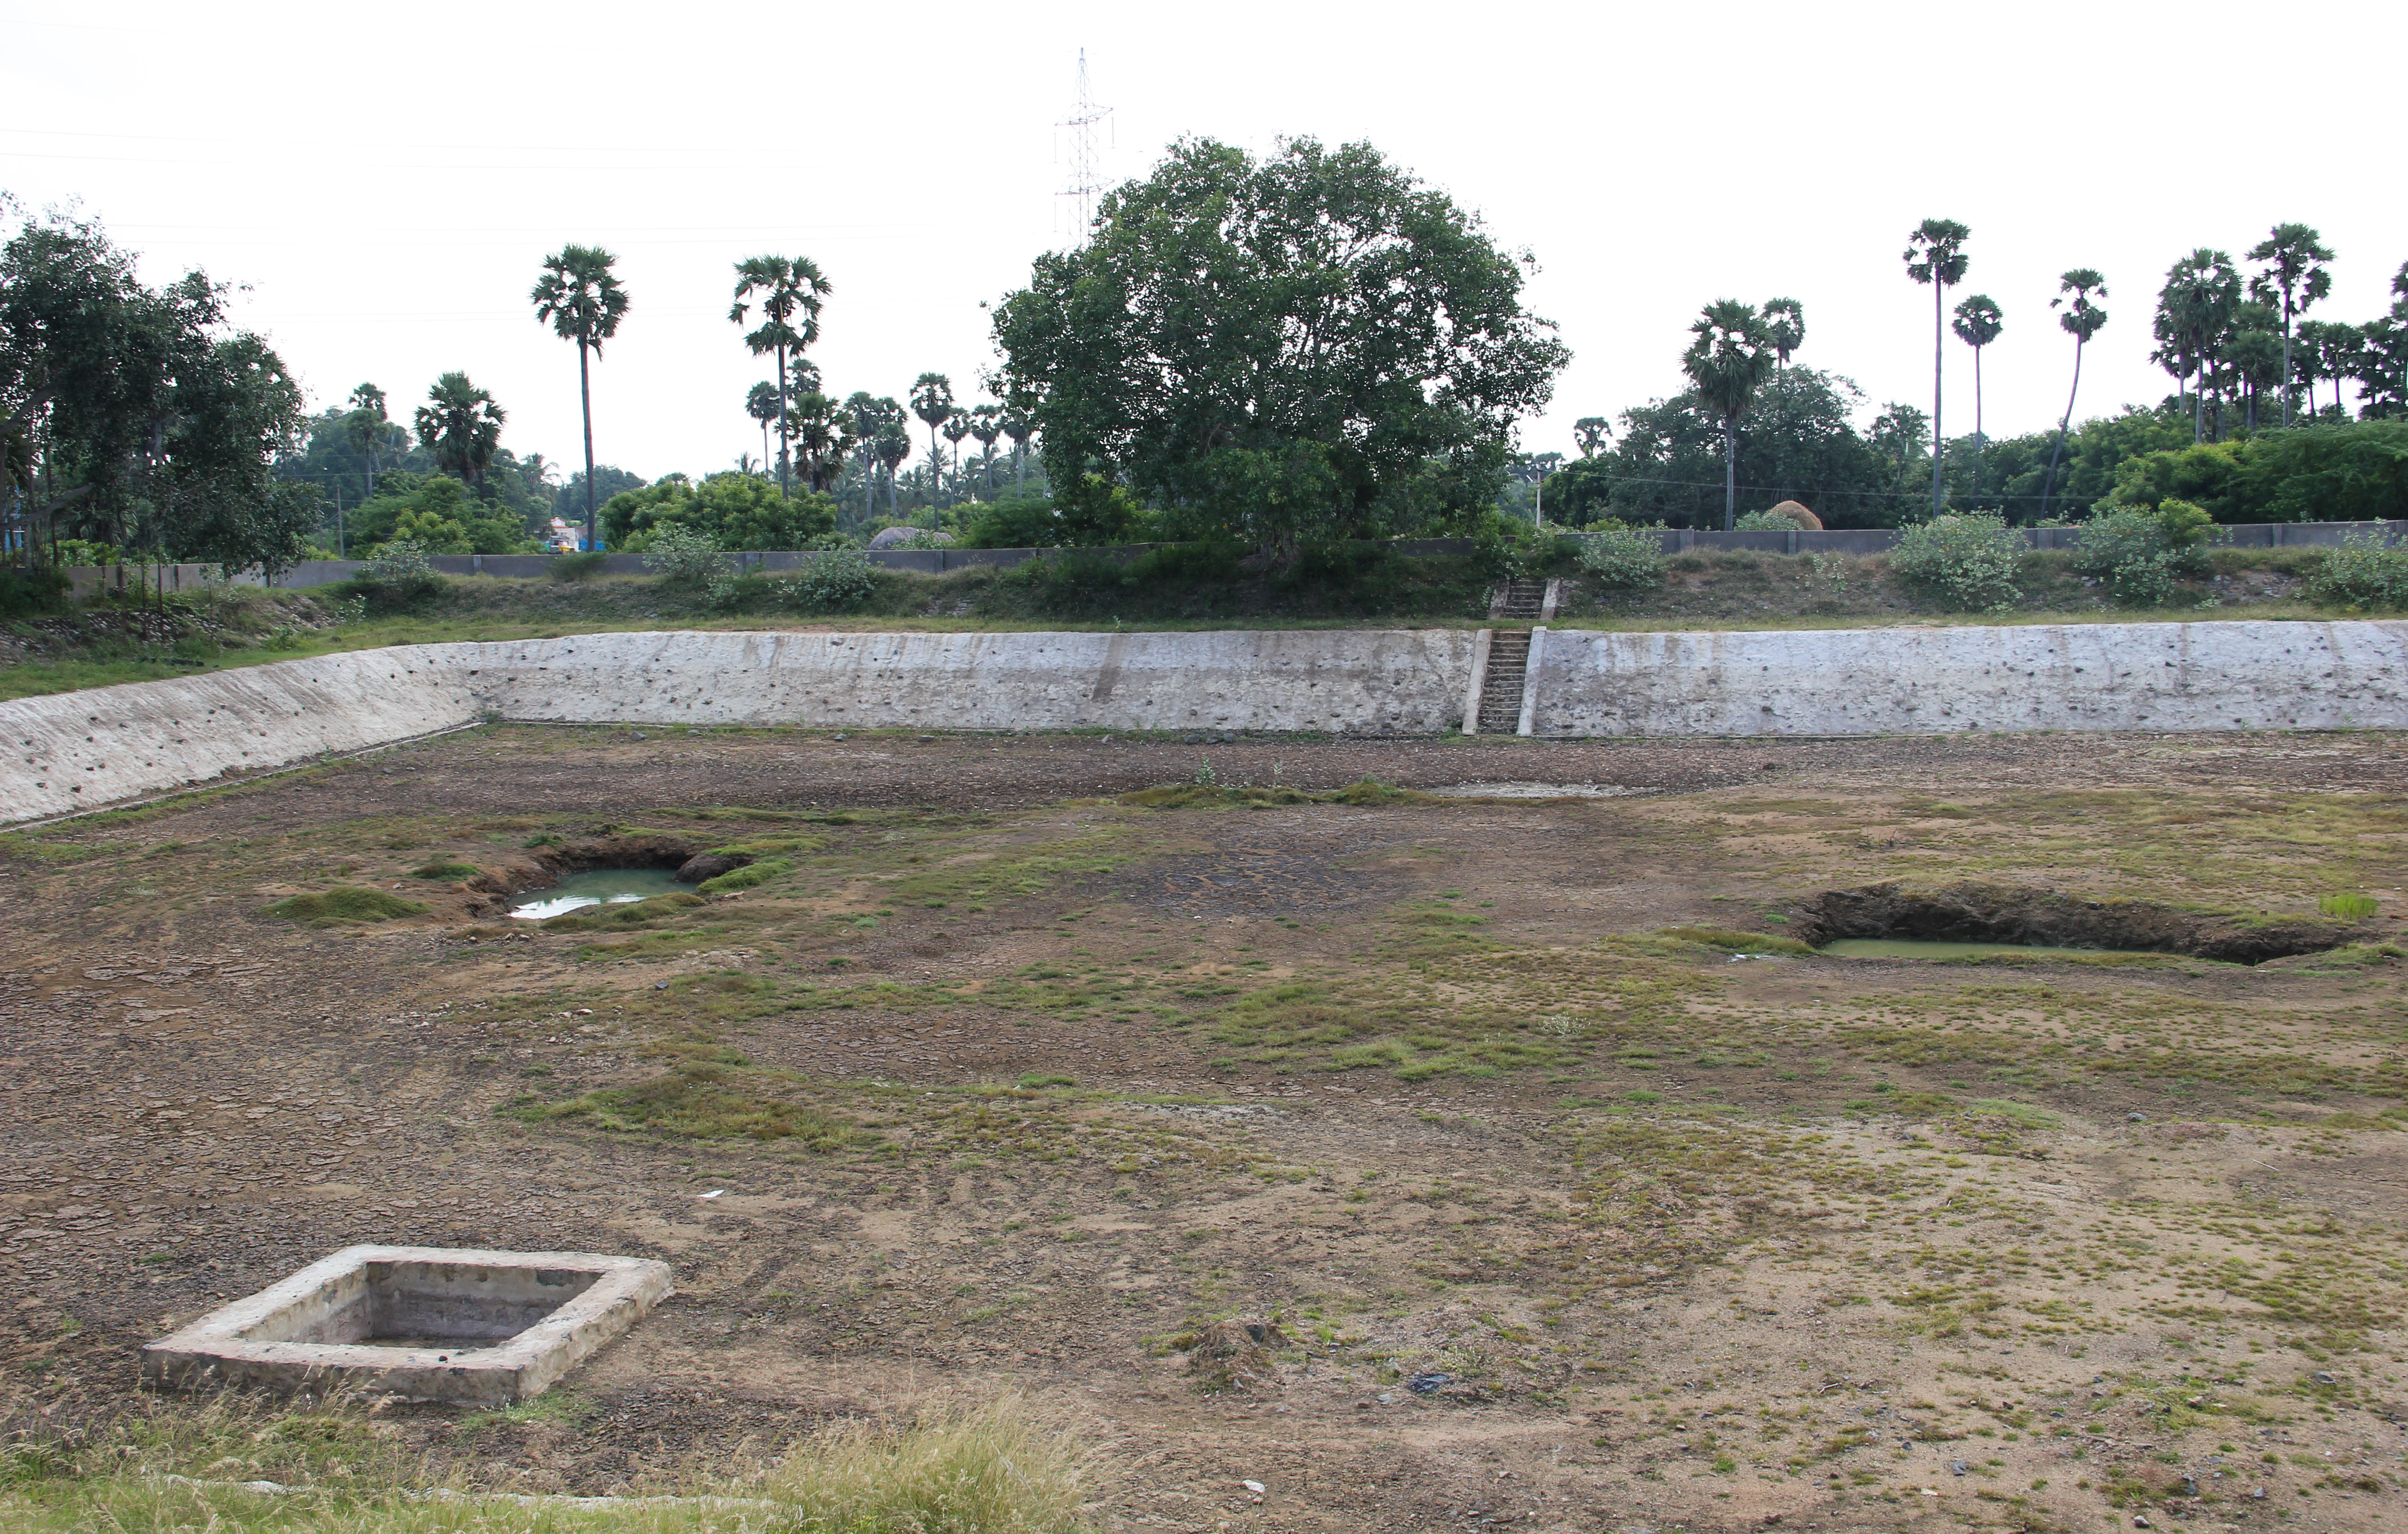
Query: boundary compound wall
x,y
77,750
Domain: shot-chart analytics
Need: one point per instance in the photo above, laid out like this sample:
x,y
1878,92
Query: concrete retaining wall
x,y
81,749
74,751
2226,676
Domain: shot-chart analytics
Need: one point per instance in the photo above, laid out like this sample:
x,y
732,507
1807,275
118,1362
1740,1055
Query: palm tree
x,y
932,401
462,427
957,428
2194,311
366,430
791,292
761,404
1935,253
1589,434
986,424
2082,320
1020,424
583,300
1977,325
1727,363
824,432
2336,351
2254,351
891,447
2295,272
1785,321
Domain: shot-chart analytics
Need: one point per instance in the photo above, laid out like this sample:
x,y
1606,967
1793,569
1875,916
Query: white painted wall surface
x,y
81,749
2219,676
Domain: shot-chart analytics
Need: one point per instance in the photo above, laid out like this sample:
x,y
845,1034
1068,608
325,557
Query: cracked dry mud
x,y
1005,1086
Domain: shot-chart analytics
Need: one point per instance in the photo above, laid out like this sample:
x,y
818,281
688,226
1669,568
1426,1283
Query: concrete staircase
x,y
1522,600
1500,684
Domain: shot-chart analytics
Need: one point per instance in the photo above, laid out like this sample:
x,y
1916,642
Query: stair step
x,y
1520,600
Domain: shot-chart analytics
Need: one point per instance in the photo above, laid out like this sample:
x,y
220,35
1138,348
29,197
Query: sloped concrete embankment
x,y
2175,676
78,751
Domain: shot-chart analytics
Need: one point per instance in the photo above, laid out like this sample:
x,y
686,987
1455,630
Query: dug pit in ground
x,y
1003,1084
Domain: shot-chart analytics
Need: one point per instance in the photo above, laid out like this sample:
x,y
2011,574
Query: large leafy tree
x,y
1977,323
2077,293
2294,273
462,427
1308,346
134,414
582,299
1935,255
789,291
1726,362
2194,313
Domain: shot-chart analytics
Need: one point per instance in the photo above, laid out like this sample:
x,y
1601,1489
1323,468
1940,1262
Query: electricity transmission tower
x,y
1086,175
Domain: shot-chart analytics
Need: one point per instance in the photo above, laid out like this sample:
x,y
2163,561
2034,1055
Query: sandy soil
x,y
1007,1086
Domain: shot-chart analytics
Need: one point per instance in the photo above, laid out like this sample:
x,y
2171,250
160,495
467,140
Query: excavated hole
x,y
2029,918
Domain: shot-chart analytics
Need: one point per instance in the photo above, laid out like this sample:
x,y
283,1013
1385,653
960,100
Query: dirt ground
x,y
1553,1217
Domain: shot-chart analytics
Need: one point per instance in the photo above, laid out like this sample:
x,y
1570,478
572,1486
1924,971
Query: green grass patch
x,y
345,903
444,868
751,876
700,1099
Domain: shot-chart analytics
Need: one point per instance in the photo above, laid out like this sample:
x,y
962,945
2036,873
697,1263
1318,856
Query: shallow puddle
x,y
595,887
1914,948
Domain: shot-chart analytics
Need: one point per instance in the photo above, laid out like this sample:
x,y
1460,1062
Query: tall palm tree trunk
x,y
1731,472
2286,359
1981,443
2198,402
585,394
2048,485
781,421
1939,330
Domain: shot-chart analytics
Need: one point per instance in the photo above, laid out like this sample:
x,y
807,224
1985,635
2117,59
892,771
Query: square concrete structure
x,y
419,1323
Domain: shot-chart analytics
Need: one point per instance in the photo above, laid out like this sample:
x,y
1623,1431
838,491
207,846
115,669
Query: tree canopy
x,y
134,415
736,510
1312,345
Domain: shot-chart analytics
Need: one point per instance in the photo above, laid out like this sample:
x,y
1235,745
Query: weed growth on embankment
x,y
1174,587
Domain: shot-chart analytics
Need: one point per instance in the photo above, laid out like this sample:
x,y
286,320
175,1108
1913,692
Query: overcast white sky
x,y
386,180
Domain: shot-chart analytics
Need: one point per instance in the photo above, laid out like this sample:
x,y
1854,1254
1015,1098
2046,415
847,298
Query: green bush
x,y
2141,553
1617,556
683,555
2336,471
1965,559
2370,570
24,592
838,579
396,577
577,567
1016,522
734,511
